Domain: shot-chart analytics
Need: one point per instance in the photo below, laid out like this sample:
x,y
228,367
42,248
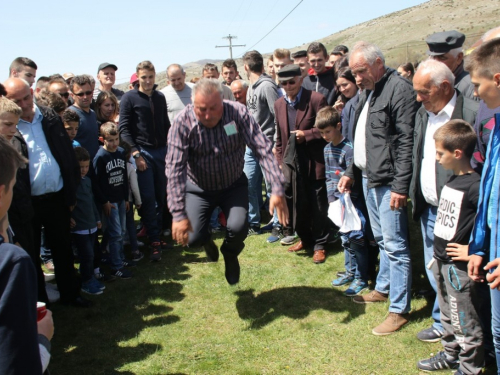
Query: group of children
x,y
113,175
469,204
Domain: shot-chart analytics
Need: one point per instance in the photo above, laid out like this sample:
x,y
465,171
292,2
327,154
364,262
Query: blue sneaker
x,y
342,280
90,288
356,287
122,273
98,284
276,234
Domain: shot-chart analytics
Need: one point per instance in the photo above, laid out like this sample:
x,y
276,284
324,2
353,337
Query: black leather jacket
x,y
389,133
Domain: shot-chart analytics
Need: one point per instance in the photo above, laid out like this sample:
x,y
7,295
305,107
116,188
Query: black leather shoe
x,y
232,269
78,302
211,250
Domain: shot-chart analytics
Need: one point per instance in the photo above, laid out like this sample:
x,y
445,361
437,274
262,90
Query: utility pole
x,y
230,37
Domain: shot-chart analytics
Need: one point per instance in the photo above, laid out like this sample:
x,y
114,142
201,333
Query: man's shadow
x,y
294,302
89,340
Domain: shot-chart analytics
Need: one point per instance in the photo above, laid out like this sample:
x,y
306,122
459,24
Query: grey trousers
x,y
234,203
458,301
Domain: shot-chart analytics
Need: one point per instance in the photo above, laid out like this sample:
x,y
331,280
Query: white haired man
x,y
383,141
441,102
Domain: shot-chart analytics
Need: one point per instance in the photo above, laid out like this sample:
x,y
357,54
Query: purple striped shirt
x,y
212,159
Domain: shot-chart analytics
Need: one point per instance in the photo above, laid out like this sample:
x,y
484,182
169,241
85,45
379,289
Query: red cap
x,y
134,78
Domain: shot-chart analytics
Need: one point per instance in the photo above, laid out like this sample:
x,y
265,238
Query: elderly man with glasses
x,y
295,114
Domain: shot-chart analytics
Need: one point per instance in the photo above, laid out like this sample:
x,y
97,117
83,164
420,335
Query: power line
x,y
276,25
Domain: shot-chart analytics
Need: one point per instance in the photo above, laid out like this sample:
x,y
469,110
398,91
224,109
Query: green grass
x,y
180,316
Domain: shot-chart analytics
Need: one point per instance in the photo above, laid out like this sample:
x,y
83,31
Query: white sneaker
x,y
52,292
49,276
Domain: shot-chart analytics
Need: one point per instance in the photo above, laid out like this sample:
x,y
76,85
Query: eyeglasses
x,y
82,94
64,94
291,82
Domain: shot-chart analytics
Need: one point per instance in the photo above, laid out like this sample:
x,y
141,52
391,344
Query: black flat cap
x,y
443,42
301,53
107,65
289,72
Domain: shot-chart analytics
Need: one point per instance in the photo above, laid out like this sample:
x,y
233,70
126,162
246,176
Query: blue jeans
x,y
427,221
356,258
115,226
254,175
85,246
495,322
390,230
152,184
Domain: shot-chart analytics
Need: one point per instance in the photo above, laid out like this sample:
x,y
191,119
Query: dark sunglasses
x,y
291,82
82,94
64,95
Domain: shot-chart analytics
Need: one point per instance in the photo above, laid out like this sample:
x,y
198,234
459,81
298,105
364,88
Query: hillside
x,y
401,35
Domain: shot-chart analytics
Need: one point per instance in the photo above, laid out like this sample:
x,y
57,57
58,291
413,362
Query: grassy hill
x,y
401,35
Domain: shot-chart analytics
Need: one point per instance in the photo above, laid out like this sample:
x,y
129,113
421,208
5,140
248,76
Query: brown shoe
x,y
297,247
391,324
319,256
371,297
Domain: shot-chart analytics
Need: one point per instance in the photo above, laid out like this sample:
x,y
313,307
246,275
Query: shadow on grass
x,y
94,340
293,302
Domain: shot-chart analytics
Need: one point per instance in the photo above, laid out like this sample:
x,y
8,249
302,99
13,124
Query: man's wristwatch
x,y
136,156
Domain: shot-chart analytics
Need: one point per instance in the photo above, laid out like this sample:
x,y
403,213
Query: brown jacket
x,y
310,103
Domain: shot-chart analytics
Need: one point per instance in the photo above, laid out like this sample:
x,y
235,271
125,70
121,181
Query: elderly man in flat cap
x,y
295,114
446,47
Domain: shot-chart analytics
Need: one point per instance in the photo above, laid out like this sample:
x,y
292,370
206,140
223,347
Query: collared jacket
x,y
312,149
389,133
485,237
465,109
61,147
144,119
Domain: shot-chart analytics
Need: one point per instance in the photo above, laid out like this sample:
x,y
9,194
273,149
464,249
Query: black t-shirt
x,y
456,211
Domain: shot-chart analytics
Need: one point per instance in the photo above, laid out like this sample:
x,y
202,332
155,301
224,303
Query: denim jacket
x,y
485,234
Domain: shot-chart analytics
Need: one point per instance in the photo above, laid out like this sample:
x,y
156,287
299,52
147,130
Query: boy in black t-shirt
x,y
457,294
110,169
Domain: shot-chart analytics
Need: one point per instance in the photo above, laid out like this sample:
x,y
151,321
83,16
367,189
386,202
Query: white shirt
x,y
360,137
428,171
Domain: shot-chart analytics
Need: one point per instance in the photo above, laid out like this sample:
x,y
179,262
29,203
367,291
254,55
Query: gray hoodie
x,y
260,103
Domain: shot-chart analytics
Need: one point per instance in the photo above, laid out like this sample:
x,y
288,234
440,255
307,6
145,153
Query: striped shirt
x,y
337,159
213,159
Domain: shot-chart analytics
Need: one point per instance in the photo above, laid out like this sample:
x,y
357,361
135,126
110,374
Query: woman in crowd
x,y
106,108
407,71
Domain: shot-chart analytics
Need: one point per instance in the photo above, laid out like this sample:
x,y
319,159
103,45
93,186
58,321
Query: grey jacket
x,y
260,103
465,109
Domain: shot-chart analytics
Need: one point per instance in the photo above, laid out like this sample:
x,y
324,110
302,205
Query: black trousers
x,y
312,213
234,203
52,213
23,233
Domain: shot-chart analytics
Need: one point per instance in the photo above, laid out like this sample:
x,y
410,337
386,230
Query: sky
x,y
70,36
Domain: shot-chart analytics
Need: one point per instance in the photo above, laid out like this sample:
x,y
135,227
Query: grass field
x,y
180,316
